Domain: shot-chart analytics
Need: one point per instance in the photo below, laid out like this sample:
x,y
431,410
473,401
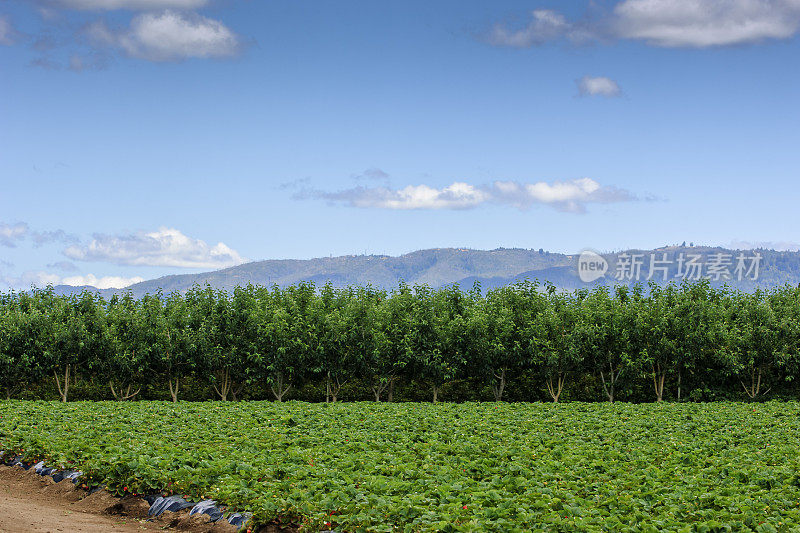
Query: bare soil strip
x,y
33,503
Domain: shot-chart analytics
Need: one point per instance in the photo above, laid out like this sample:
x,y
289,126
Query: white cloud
x,y
105,282
570,196
8,35
665,23
48,13
64,266
108,5
33,279
702,23
456,196
372,174
42,279
44,237
780,246
11,233
598,86
165,247
76,63
545,25
170,36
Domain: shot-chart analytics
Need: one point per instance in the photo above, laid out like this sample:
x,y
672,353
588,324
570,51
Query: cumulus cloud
x,y
108,5
8,35
64,266
42,279
598,86
545,25
701,23
780,246
664,23
169,36
46,237
569,196
45,63
165,247
76,63
11,234
298,183
456,196
90,61
372,174
104,282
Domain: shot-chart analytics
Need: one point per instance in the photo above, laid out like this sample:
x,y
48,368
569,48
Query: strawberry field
x,y
438,467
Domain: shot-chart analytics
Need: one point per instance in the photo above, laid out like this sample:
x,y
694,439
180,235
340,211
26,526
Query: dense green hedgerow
x,y
440,467
520,342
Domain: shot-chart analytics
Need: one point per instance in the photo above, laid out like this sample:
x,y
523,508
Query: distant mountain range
x,y
744,269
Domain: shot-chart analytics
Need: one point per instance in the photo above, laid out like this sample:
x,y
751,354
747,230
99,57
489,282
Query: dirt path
x,y
32,503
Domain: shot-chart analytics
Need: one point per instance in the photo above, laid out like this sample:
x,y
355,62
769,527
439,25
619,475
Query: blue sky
x,y
145,137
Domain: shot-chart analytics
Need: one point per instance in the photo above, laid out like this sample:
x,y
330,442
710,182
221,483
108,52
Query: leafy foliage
x,y
366,467
524,341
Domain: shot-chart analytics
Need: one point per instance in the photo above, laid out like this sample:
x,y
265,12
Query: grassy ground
x,y
445,467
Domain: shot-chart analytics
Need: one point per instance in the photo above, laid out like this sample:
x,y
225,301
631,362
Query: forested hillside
x,y
492,268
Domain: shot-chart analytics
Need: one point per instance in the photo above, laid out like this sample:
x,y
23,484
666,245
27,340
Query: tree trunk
x,y
381,386
225,385
613,377
755,384
281,392
235,392
65,390
497,387
658,381
335,388
436,393
173,391
122,396
377,390
679,384
390,397
11,390
328,388
555,388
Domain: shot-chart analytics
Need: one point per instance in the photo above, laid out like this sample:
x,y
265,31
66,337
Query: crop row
x,y
419,467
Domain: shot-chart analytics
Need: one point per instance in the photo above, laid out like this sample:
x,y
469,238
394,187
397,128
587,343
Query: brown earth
x,y
33,503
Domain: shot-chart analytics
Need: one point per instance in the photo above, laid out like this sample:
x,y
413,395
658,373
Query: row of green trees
x,y
689,335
